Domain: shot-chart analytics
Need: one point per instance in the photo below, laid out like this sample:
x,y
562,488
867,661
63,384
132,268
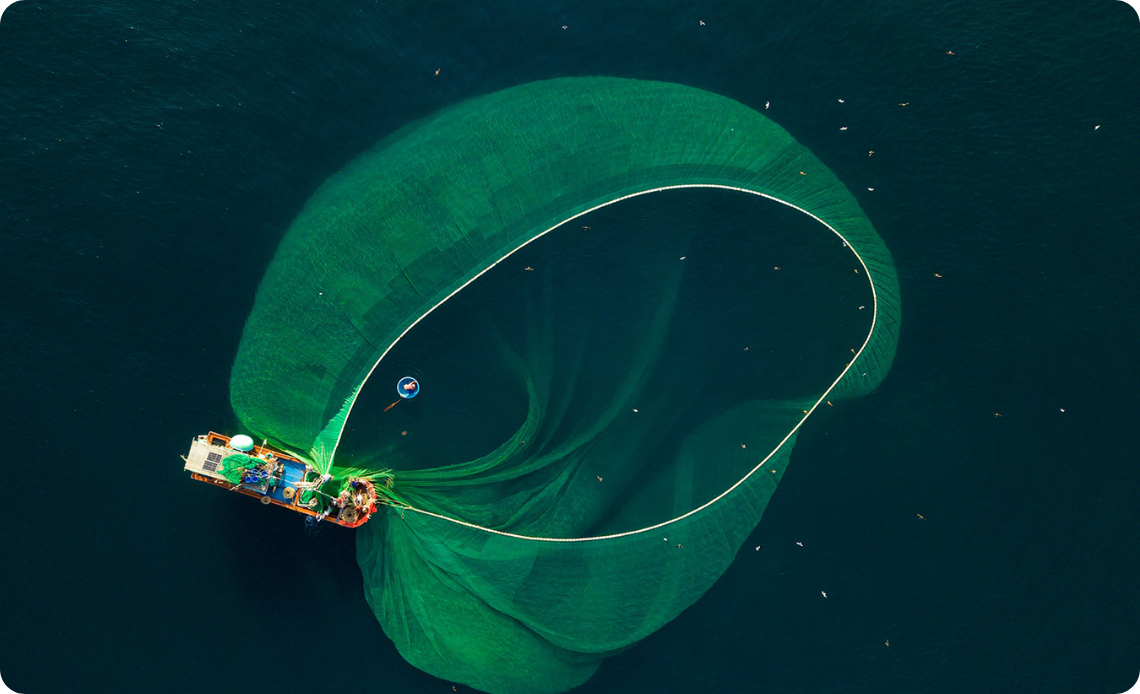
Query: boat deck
x,y
281,488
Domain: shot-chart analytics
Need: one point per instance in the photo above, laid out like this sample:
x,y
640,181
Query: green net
x,y
234,467
596,500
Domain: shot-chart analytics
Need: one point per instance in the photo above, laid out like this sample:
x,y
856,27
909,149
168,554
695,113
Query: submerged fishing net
x,y
583,463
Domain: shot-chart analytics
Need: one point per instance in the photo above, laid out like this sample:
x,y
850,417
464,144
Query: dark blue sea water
x,y
152,155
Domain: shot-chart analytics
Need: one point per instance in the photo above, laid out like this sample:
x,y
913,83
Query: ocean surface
x,y
973,522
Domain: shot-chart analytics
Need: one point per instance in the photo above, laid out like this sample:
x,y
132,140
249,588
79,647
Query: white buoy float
x,y
242,443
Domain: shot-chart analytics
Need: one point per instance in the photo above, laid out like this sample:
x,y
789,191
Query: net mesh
x,y
516,570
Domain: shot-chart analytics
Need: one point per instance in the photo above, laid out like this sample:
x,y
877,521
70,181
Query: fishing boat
x,y
278,478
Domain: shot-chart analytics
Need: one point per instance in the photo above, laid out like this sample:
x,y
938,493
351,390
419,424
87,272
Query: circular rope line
x,y
761,464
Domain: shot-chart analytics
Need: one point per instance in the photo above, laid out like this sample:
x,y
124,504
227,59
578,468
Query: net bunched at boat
x,y
608,498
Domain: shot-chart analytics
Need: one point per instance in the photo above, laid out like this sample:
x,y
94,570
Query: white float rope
x,y
807,413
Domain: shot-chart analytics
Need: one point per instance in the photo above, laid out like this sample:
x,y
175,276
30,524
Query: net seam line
x,y
874,322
